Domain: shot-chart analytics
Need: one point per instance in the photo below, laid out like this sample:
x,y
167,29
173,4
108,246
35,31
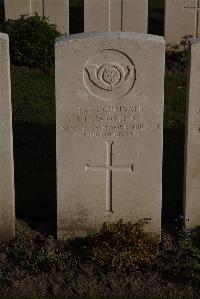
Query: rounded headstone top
x,y
120,35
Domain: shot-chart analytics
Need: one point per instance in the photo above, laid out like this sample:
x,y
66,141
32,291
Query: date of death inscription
x,y
107,121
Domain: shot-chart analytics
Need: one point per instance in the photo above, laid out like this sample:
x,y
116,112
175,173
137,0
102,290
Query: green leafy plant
x,y
120,246
190,252
47,261
31,41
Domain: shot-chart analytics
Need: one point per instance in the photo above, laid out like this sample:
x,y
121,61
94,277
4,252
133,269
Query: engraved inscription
x,y
108,121
109,168
109,75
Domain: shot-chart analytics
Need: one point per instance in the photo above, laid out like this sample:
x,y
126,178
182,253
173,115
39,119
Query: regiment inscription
x,y
102,121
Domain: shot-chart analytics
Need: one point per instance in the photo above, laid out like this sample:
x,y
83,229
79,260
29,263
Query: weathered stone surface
x,y
135,16
58,13
116,15
109,111
192,141
181,19
14,9
7,216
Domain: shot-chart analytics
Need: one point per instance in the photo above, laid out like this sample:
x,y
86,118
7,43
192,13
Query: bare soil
x,y
24,272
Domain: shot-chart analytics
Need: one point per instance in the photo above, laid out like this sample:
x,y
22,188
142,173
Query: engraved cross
x,y
109,168
197,8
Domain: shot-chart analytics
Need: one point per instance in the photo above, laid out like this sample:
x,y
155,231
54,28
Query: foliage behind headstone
x,y
31,41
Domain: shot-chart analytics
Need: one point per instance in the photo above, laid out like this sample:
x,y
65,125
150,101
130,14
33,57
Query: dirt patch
x,y
37,265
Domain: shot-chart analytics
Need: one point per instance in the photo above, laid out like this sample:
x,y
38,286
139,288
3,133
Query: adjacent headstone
x,y
58,13
7,214
192,150
109,112
116,15
56,10
14,9
182,18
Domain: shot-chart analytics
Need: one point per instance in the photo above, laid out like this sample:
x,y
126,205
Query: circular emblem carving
x,y
109,75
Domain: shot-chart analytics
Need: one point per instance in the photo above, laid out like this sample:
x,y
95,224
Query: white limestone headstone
x,y
14,9
58,13
56,10
116,15
192,140
182,18
7,207
109,114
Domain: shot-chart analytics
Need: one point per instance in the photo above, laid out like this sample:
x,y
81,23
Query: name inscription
x,y
107,121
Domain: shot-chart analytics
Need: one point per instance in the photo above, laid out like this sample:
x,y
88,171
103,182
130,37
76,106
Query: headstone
x,y
56,10
182,18
7,214
58,13
109,99
116,15
135,15
192,150
14,9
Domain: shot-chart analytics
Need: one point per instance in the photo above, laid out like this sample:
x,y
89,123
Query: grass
x,y
33,96
33,99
